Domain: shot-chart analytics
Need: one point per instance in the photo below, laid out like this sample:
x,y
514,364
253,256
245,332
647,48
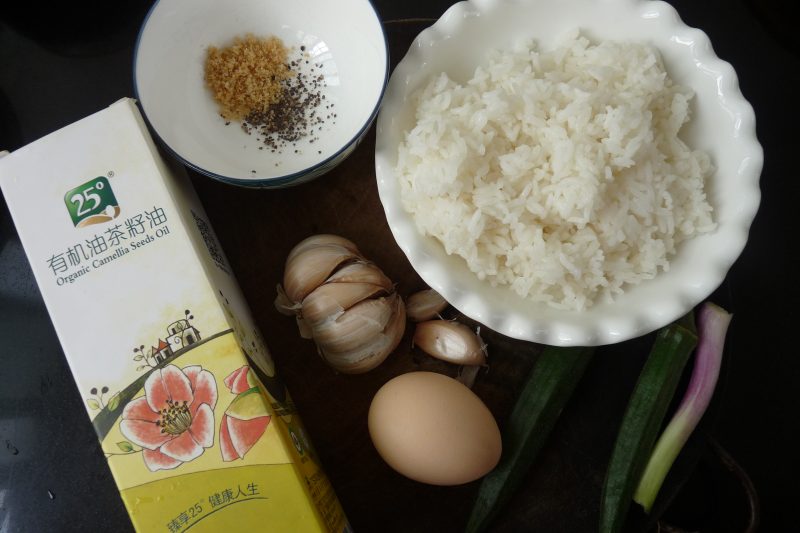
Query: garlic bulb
x,y
425,305
343,302
450,341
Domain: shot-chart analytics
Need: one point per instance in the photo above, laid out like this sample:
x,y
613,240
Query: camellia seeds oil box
x,y
179,385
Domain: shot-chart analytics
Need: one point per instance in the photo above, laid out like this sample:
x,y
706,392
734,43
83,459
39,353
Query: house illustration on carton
x,y
162,352
181,334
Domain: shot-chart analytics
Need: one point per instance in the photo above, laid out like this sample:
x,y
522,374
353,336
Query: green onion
x,y
642,420
547,389
713,324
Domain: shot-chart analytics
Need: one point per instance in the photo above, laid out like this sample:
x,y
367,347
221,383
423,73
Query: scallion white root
x,y
712,325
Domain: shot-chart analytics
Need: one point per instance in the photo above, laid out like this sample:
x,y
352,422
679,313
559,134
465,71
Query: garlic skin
x,y
283,304
343,302
467,375
361,272
330,300
309,268
425,305
356,326
321,239
374,351
451,342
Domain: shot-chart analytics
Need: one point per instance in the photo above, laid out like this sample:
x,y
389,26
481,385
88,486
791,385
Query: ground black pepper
x,y
295,115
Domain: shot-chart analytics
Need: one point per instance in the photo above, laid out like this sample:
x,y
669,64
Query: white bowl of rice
x,y
568,172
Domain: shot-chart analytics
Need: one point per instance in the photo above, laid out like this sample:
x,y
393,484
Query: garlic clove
x,y
321,239
310,268
329,301
425,305
356,326
375,351
361,272
450,341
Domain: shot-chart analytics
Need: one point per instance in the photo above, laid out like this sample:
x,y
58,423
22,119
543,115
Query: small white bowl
x,y
723,124
345,37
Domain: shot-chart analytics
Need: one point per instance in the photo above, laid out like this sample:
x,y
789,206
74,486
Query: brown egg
x,y
433,429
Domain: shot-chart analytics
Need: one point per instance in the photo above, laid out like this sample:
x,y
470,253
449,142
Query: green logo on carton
x,y
92,203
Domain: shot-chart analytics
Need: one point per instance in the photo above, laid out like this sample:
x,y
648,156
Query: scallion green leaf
x,y
642,420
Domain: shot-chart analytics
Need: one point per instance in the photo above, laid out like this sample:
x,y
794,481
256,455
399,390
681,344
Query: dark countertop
x,y
59,64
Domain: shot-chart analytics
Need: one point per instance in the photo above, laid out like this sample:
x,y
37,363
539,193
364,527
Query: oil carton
x,y
197,429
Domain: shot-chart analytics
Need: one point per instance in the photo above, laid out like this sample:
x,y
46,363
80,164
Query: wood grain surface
x,y
259,227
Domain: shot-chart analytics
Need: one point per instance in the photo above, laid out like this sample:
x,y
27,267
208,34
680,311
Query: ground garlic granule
x,y
247,76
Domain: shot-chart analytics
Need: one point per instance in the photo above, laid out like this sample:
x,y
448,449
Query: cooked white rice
x,y
559,174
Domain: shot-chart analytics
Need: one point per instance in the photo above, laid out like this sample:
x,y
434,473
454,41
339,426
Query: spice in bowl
x,y
274,91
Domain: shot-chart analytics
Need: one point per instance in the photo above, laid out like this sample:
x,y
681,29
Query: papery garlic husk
x,y
361,272
356,326
321,239
425,305
331,300
467,374
374,351
450,341
303,328
284,305
309,268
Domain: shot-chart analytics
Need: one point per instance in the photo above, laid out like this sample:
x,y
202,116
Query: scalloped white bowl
x,y
722,123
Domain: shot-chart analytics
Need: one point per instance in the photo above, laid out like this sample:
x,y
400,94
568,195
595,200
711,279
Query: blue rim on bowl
x,y
277,181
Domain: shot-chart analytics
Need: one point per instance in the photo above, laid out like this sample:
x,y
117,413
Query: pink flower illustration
x,y
174,421
238,382
247,417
